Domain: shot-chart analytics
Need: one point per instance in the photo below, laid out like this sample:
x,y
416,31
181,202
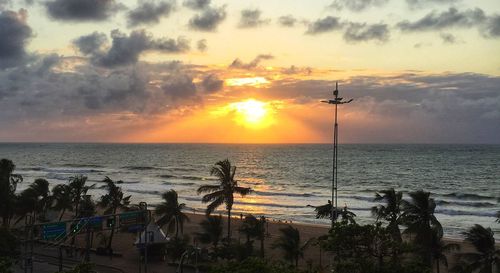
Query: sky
x,y
228,71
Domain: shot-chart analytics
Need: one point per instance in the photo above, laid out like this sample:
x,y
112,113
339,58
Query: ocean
x,y
463,179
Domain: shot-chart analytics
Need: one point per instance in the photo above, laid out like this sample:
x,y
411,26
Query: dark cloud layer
x,y
14,36
179,86
357,5
251,18
148,13
446,19
323,25
492,28
237,63
125,50
82,10
197,4
357,32
208,20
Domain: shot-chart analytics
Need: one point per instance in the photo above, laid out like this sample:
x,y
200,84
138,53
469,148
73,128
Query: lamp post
x,y
336,101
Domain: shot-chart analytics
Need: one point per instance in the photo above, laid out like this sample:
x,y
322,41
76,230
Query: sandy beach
x,y
129,260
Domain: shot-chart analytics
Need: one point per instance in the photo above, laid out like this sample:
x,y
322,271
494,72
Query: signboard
x,y
53,231
132,218
95,224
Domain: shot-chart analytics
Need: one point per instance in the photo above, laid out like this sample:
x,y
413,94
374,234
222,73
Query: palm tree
x,y
391,211
171,212
35,199
439,250
418,216
224,192
289,242
78,191
61,195
211,231
112,201
325,212
485,256
254,228
8,185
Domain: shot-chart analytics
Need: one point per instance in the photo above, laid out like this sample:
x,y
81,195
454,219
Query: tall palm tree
x,y
486,256
171,212
79,189
224,192
289,242
113,200
391,211
418,216
61,195
439,250
211,230
325,212
8,185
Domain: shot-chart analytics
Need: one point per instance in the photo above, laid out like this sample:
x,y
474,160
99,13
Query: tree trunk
x,y
262,247
62,213
229,223
437,265
176,228
113,232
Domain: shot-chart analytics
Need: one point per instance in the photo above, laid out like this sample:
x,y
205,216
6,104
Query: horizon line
x,y
248,143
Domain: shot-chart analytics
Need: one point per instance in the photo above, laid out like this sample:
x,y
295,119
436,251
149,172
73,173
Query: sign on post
x,y
53,230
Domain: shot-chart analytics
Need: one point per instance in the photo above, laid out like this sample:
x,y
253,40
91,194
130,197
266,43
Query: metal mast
x,y
336,101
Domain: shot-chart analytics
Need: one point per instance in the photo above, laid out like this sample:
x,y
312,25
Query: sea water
x,y
464,179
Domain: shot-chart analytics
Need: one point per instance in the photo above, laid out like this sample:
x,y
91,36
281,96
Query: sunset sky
x,y
419,71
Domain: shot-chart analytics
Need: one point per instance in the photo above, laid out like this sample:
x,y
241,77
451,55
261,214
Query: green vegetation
x,y
290,244
485,257
211,231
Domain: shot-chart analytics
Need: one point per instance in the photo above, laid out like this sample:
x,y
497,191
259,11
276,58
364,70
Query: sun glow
x,y
250,113
255,81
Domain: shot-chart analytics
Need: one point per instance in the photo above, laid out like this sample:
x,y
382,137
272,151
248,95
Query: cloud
x,y
323,25
296,70
15,34
211,83
452,18
179,86
149,13
197,4
361,32
448,38
125,50
201,45
251,18
357,5
208,20
492,28
91,44
237,63
425,3
287,21
82,10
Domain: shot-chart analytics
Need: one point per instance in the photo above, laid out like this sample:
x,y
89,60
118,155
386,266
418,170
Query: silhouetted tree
x,y
486,255
211,231
224,192
171,212
62,199
113,200
79,189
289,242
254,228
325,212
8,185
421,222
391,211
34,200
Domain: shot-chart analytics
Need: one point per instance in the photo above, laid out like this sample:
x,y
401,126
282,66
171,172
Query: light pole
x,y
336,101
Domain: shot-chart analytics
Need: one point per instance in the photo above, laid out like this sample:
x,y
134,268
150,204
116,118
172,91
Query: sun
x,y
251,111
